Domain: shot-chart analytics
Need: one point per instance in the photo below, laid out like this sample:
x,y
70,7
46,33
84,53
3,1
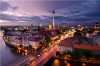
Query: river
x,y
6,55
57,62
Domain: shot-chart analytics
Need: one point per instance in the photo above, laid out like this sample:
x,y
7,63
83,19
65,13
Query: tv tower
x,y
53,22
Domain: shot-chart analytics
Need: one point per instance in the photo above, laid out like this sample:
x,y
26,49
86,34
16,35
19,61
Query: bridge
x,y
45,57
40,61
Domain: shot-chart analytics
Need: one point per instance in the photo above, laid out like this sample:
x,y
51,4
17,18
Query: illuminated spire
x,y
53,12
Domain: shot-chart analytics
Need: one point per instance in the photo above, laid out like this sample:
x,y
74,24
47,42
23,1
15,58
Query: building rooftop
x,y
66,42
82,46
35,39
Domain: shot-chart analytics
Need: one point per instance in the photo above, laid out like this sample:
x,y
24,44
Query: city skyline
x,y
50,32
26,12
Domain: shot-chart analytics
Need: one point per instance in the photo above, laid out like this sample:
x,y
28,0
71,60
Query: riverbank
x,y
7,56
17,48
92,61
60,62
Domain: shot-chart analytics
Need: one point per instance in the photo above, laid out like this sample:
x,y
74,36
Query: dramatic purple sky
x,y
73,12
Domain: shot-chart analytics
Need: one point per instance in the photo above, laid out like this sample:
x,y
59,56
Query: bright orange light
x,y
83,64
56,61
68,64
65,61
19,48
26,51
22,53
55,55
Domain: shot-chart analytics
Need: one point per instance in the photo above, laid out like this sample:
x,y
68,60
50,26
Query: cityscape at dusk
x,y
49,33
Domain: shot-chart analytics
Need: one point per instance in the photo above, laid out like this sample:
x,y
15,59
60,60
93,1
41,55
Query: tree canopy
x,y
47,39
77,33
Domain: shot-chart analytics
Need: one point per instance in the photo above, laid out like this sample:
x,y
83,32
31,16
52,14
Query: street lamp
x,y
26,52
19,49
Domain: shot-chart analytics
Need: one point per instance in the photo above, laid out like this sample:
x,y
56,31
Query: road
x,y
45,57
40,61
22,61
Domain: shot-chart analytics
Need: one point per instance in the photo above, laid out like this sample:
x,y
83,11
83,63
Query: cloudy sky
x,y
73,12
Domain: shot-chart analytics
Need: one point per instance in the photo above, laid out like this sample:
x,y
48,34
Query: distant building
x,y
97,27
14,33
64,25
79,27
50,26
34,41
96,39
86,47
65,46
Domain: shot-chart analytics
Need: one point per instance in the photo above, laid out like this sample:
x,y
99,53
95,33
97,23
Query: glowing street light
x,y
83,64
26,52
19,49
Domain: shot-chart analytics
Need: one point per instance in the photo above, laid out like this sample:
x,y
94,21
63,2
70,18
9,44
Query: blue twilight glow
x,y
22,12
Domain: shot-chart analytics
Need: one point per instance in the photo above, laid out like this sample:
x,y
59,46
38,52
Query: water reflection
x,y
65,62
68,64
7,56
57,62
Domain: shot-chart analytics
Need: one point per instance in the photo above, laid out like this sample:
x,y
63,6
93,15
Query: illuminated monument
x,y
52,25
53,22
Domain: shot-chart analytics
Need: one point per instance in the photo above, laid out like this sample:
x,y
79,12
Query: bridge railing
x,y
45,57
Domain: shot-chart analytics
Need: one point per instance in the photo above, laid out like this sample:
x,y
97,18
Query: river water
x,y
57,62
6,55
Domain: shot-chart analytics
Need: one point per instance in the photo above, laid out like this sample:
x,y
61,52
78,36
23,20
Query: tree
x,y
77,33
87,53
58,31
69,53
47,39
41,43
5,32
76,54
65,53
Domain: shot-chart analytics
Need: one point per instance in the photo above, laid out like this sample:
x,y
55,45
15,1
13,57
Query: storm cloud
x,y
32,12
